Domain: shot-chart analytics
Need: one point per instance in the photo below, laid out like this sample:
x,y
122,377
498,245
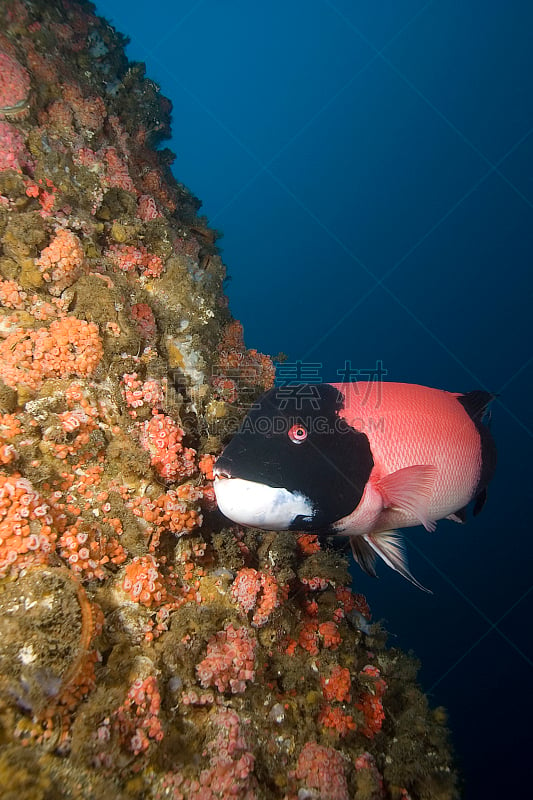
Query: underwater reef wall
x,y
147,648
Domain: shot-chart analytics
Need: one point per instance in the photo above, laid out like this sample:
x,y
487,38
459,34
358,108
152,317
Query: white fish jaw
x,y
258,505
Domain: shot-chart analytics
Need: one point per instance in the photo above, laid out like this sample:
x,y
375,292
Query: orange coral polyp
x,y
336,719
330,635
143,582
337,686
161,436
70,346
62,261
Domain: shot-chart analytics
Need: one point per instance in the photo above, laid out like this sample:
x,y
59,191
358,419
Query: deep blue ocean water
x,y
370,166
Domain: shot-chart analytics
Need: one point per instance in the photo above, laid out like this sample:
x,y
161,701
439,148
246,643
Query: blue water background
x,y
370,166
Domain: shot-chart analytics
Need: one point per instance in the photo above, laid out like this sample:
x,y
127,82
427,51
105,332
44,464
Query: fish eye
x,y
297,434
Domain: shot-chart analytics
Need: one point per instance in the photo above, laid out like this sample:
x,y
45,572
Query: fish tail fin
x,y
481,499
476,405
389,546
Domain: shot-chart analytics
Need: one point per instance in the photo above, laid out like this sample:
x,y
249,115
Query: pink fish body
x,y
424,431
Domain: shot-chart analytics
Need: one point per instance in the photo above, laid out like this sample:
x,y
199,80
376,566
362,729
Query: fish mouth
x,y
221,474
222,469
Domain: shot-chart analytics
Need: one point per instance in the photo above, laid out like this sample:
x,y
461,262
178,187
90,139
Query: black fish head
x,y
294,463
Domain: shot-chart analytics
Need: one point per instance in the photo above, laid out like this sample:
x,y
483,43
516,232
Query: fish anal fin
x,y
364,555
409,489
388,545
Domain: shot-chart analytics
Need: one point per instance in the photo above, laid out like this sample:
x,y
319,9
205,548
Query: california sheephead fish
x,y
358,459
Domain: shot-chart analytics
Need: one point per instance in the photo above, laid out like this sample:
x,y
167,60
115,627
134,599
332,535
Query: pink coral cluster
x,y
136,722
108,165
117,172
231,766
162,438
147,208
41,64
369,777
59,119
322,769
139,394
89,112
225,389
230,660
13,153
194,698
28,525
315,584
14,86
260,590
230,772
153,183
128,258
246,588
145,320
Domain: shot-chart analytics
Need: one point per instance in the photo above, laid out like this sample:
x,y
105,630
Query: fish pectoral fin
x,y
364,554
389,546
409,489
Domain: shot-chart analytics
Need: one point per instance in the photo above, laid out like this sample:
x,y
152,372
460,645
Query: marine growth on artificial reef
x,y
148,649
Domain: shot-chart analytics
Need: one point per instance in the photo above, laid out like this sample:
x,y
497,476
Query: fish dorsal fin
x,y
409,489
389,546
364,555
